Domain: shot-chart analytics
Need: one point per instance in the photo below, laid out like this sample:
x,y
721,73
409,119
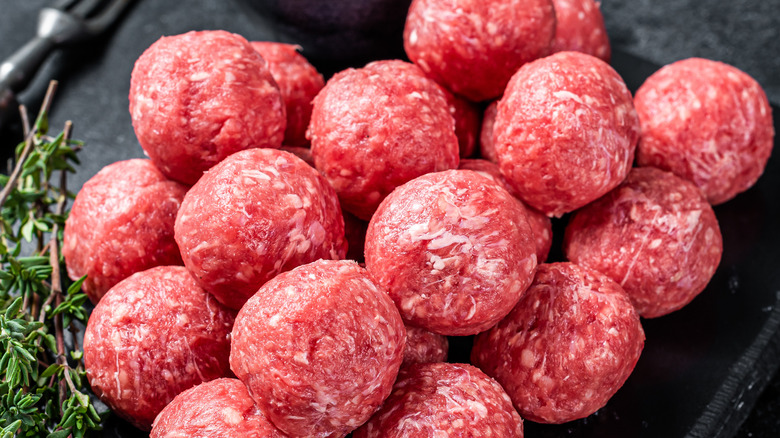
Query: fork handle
x,y
17,71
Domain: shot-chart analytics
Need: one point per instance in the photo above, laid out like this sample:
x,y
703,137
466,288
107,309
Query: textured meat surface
x,y
121,223
472,46
221,408
152,336
580,28
298,82
566,348
454,251
375,128
198,97
467,122
541,225
565,132
444,400
423,346
300,152
707,122
319,348
486,147
256,214
655,234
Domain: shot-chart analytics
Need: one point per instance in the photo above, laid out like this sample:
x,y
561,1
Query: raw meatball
x,y
447,400
423,346
566,348
541,226
375,128
298,82
472,46
707,122
318,348
256,214
486,147
152,336
580,28
467,122
198,97
655,234
565,132
121,223
453,249
221,408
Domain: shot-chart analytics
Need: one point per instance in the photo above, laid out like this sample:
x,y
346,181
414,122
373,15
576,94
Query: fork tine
x,y
107,16
83,8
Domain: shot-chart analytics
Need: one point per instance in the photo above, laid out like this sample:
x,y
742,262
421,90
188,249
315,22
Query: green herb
x,y
43,388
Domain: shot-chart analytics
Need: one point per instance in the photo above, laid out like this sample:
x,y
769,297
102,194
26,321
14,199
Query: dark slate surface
x,y
93,92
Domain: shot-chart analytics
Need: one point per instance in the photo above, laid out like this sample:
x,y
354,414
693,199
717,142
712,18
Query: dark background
x,y
94,82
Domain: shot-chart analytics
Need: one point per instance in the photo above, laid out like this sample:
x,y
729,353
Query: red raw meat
x,y
121,223
221,408
198,97
423,346
655,234
152,336
375,128
580,28
707,122
318,348
444,400
298,82
565,132
474,46
453,249
486,147
566,348
256,214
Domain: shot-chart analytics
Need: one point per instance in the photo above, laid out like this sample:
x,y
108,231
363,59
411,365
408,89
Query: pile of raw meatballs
x,y
264,181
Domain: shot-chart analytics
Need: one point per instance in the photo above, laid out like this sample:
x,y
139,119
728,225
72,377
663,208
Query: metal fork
x,y
66,22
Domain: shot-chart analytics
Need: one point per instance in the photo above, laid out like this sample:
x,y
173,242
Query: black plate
x,y
703,366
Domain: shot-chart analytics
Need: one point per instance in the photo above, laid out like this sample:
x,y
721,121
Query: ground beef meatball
x,y
707,122
198,97
319,348
298,81
152,336
655,234
473,46
375,128
453,249
566,348
121,223
256,214
423,346
565,132
447,400
221,408
581,28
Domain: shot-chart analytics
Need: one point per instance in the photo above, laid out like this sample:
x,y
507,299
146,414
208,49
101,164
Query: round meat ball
x,y
423,346
472,46
256,214
453,249
298,82
221,408
580,28
707,122
467,122
152,336
318,348
375,128
565,132
655,234
444,399
121,223
541,225
566,348
486,147
198,97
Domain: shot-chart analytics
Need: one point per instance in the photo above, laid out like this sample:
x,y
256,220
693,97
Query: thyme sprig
x,y
43,387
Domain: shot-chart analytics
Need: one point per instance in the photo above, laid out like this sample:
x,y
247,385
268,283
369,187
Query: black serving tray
x,y
702,368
